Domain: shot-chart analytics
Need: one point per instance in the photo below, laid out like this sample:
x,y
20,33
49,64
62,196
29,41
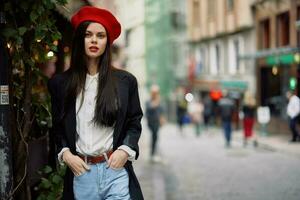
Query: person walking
x,y
154,118
226,106
248,117
207,105
195,110
96,114
293,110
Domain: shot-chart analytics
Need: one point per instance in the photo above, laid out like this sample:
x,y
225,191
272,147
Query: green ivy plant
x,y
51,185
30,33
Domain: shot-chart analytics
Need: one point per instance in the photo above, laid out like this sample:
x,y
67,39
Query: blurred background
x,y
207,57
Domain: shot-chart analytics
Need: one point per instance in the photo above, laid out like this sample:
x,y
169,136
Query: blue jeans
x,y
227,131
102,183
293,127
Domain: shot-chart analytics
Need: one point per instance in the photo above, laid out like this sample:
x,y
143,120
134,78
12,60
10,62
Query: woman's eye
x,y
101,36
88,35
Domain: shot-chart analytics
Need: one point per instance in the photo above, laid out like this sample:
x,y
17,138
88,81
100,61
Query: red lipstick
x,y
93,49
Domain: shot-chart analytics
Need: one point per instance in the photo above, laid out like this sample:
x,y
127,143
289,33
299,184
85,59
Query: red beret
x,y
102,16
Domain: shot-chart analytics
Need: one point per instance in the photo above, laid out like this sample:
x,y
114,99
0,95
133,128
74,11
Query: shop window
x,y
283,29
264,40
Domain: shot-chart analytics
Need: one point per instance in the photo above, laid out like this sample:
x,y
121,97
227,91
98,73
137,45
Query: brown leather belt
x,y
95,159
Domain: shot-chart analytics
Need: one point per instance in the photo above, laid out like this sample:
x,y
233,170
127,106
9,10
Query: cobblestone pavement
x,y
201,168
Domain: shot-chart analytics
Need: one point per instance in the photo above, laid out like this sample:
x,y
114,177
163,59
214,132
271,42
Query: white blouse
x,y
91,139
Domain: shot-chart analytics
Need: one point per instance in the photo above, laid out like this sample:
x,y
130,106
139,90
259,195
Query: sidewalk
x,y
168,181
273,142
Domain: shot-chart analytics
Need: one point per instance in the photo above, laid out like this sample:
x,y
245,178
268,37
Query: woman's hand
x,y
118,159
76,164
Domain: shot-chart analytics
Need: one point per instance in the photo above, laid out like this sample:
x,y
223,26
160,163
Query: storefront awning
x,y
271,52
235,85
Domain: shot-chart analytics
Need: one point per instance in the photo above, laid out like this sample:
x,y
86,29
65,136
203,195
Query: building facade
x,y
219,33
165,43
277,57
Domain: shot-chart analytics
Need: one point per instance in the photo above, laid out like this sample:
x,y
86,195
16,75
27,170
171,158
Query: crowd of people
x,y
204,111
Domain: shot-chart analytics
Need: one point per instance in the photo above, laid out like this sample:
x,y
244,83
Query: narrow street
x,y
202,168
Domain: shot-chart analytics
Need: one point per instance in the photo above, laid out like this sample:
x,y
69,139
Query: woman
x,y
96,114
249,115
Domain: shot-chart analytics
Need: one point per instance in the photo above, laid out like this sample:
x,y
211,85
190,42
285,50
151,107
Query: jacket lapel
x,y
70,125
123,98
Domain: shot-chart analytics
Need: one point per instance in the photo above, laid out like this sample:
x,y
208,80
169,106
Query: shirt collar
x,y
95,76
90,79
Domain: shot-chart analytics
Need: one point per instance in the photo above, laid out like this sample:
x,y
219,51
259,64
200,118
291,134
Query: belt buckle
x,y
105,156
85,159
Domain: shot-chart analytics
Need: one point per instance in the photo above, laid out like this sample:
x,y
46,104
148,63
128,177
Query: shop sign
x,y
234,85
280,59
4,95
263,114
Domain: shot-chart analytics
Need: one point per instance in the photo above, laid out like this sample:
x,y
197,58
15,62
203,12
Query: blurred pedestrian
x,y
226,106
96,114
248,109
195,110
155,119
208,109
293,110
181,111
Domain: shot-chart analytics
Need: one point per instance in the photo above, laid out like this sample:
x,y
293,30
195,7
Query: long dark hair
x,y
107,102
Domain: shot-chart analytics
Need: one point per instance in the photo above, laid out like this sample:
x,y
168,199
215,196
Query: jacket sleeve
x,y
133,118
57,130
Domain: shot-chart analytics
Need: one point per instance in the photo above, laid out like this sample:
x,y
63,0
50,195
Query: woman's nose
x,y
94,38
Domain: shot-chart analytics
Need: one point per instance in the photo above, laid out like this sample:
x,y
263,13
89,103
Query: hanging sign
x,y
4,95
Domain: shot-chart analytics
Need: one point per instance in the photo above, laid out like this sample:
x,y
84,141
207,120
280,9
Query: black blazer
x,y
127,128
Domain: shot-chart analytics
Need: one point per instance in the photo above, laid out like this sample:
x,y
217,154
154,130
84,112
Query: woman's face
x,y
95,40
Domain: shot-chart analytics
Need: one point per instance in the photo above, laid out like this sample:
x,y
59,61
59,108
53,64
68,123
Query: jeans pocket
x,y
117,169
82,174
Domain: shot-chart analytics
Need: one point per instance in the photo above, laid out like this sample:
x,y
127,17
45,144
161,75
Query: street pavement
x,y
201,168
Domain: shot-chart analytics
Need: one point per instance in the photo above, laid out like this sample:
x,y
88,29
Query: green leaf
x,y
22,30
53,48
56,179
56,36
51,197
61,2
45,183
40,10
47,169
19,40
33,16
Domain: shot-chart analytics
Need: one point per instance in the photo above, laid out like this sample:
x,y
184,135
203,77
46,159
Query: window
x,y
177,20
196,13
217,58
264,40
211,6
203,60
230,5
283,29
236,52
